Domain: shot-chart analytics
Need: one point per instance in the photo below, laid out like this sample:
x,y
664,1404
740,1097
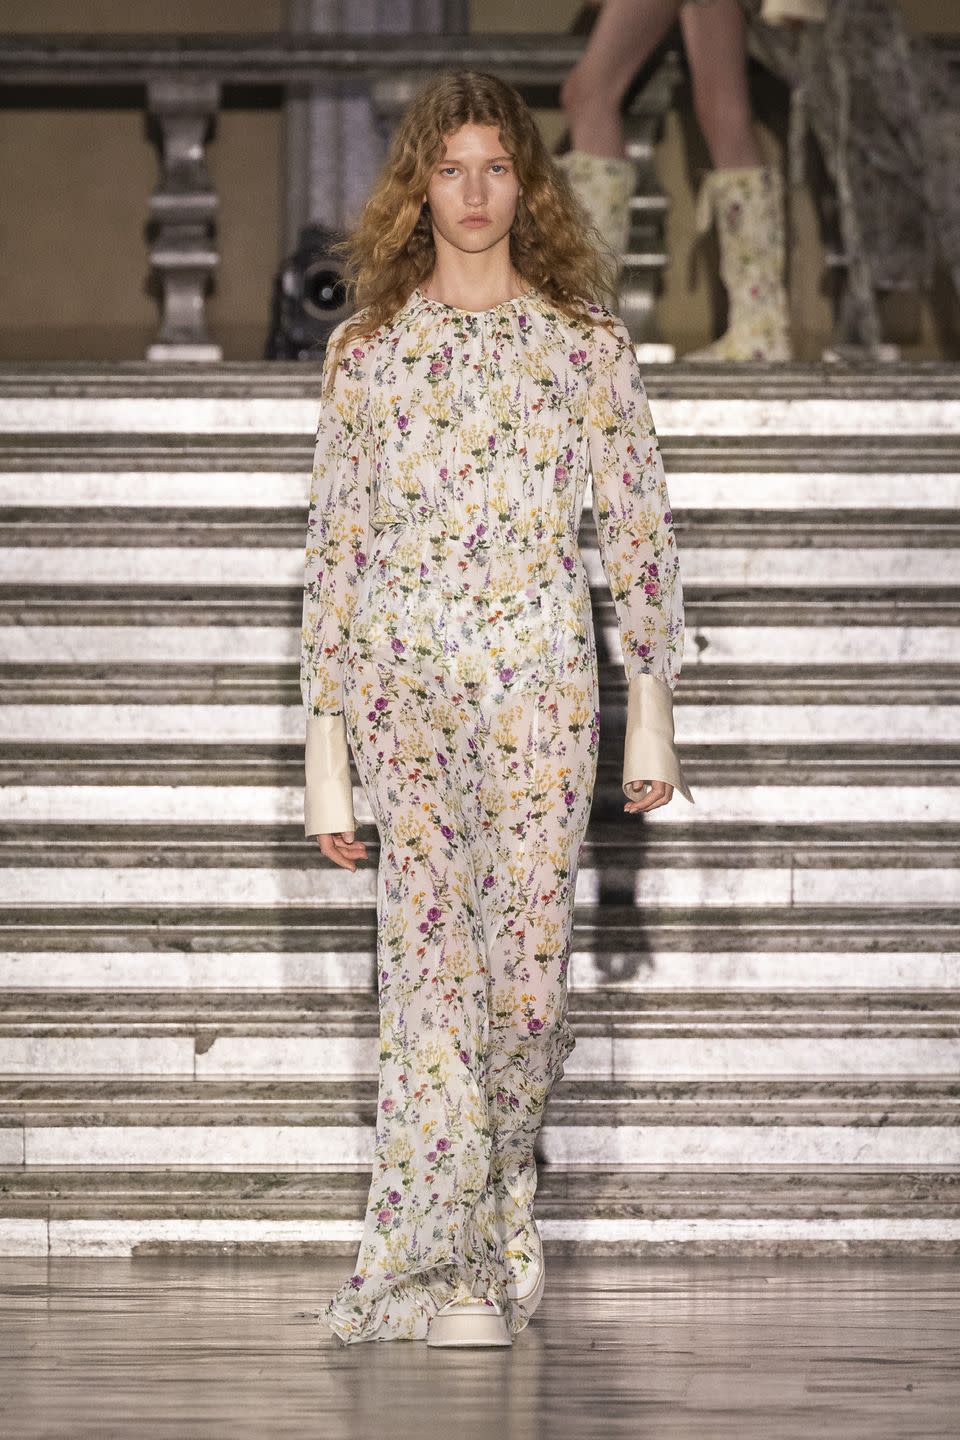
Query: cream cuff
x,y
328,792
774,12
649,752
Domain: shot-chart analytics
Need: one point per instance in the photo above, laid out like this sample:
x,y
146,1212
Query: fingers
x,y
660,793
343,849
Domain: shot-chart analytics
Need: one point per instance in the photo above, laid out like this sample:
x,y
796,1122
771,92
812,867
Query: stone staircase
x,y
765,987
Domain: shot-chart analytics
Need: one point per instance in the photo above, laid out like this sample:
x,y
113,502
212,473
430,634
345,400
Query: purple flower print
x,y
523,322
436,367
356,1281
397,645
488,881
446,831
385,1216
402,422
569,797
465,1056
434,912
652,568
668,515
491,442
560,473
506,674
442,759
381,703
388,1106
534,1026
568,562
394,1197
443,1145
644,650
431,1156
481,529
651,588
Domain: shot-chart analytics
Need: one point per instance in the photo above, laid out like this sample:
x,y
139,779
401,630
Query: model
x,y
448,637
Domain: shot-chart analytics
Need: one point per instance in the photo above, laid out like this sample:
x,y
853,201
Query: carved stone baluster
x,y
183,211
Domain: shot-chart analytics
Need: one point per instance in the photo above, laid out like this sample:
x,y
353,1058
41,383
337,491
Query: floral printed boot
x,y
603,184
749,206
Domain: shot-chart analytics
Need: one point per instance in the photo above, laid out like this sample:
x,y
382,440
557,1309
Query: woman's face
x,y
474,178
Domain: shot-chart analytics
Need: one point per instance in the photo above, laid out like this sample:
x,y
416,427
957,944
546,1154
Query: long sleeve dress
x,y
448,636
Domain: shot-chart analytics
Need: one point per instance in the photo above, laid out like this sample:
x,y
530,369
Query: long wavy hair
x,y
554,246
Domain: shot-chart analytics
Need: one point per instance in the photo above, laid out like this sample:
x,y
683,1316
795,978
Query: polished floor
x,y
190,1348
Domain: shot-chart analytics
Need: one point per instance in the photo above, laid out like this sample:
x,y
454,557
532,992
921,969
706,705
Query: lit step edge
x,y
265,490
268,805
684,972
259,567
725,415
895,1146
278,887
705,645
273,724
116,1236
609,1057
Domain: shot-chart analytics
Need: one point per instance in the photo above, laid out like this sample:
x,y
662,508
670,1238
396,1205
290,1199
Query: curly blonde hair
x,y
390,251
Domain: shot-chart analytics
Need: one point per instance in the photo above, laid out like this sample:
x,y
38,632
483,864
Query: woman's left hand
x,y
660,793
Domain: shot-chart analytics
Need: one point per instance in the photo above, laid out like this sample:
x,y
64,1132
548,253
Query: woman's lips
x,y
474,220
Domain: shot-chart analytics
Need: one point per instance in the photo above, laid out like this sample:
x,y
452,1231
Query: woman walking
x,y
448,637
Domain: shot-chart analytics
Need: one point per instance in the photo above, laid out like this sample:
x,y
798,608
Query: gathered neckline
x,y
458,309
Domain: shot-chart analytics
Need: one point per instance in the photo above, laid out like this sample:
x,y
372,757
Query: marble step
x,y
222,761
88,954
610,843
176,529
748,625
267,567
779,1208
106,632
276,399
209,1016
613,946
780,875
257,475
899,1121
620,1035
731,792
188,728
154,699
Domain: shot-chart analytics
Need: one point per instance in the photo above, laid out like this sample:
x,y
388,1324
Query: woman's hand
x,y
343,849
660,793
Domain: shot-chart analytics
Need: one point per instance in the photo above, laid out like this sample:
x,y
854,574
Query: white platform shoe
x,y
475,1322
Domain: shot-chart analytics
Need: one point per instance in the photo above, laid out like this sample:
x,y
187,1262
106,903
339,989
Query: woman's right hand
x,y
343,849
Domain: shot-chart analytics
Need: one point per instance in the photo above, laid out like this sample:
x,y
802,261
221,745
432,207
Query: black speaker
x,y
309,299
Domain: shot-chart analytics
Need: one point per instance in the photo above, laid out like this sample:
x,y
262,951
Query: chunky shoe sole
x,y
468,1322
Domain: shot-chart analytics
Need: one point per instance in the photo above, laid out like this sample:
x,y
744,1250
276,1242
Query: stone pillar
x,y
183,211
335,141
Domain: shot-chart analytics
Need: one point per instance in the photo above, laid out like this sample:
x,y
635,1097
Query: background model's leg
x,y
625,33
746,195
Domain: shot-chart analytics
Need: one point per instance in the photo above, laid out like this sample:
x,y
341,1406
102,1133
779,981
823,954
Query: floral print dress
x,y
448,635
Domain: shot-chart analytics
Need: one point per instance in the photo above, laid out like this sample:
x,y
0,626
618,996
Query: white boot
x,y
749,206
603,184
525,1263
